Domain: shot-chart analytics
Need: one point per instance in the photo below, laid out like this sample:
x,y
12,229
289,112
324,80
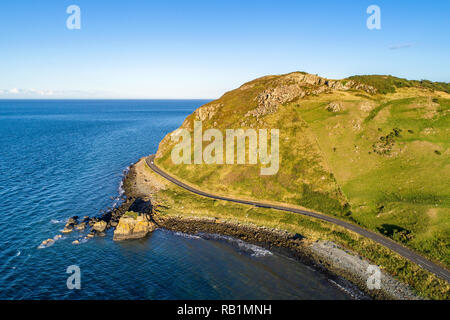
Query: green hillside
x,y
370,149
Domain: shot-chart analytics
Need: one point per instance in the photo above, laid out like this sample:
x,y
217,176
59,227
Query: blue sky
x,y
201,49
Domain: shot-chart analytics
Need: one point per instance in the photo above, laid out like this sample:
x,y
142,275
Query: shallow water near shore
x,y
65,158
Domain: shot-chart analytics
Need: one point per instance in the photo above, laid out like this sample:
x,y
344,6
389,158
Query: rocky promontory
x,y
133,225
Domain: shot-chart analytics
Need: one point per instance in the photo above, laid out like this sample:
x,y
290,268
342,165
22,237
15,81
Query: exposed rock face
x,y
67,230
270,99
99,226
47,242
81,226
133,227
334,107
72,220
366,106
70,224
207,111
297,86
268,94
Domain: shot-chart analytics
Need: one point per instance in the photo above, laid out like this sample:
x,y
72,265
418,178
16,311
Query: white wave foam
x,y
120,189
186,235
251,249
240,245
50,243
310,269
43,246
347,290
56,221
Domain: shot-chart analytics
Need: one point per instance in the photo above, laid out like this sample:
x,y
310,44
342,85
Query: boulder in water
x,y
81,226
99,226
133,226
47,242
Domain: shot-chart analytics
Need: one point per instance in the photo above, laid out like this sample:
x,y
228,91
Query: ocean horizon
x,y
64,158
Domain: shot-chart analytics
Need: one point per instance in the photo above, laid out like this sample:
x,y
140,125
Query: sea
x,y
64,158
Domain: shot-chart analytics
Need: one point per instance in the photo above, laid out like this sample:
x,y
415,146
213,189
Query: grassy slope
x,y
409,191
328,161
174,201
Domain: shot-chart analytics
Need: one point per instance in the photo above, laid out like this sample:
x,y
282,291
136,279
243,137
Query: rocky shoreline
x,y
327,257
130,220
323,256
136,217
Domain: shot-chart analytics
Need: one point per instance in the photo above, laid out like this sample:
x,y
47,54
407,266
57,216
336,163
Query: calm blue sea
x,y
64,158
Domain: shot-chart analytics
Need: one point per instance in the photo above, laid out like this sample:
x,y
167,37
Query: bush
x,y
131,214
388,84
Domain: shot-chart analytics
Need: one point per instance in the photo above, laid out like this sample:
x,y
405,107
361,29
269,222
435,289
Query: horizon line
x,y
56,99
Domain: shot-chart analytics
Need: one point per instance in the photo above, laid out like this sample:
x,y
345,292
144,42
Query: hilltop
x,y
373,150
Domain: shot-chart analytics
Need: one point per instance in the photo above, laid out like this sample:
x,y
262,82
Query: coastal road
x,y
426,264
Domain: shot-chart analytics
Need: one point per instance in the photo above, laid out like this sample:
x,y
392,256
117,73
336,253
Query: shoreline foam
x,y
340,265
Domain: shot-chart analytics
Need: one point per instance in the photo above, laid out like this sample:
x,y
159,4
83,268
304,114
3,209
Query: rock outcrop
x,y
99,226
70,224
67,230
133,226
47,242
334,107
270,99
298,85
207,111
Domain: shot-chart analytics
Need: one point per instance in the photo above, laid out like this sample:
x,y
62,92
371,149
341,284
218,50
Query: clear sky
x,y
201,49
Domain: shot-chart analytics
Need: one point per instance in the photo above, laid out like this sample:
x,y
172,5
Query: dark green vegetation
x,y
388,84
386,143
131,214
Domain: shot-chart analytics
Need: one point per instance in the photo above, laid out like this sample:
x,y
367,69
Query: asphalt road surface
x,y
426,264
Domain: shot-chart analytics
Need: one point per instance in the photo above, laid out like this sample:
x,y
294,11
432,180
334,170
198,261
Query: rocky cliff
x,y
370,149
133,226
